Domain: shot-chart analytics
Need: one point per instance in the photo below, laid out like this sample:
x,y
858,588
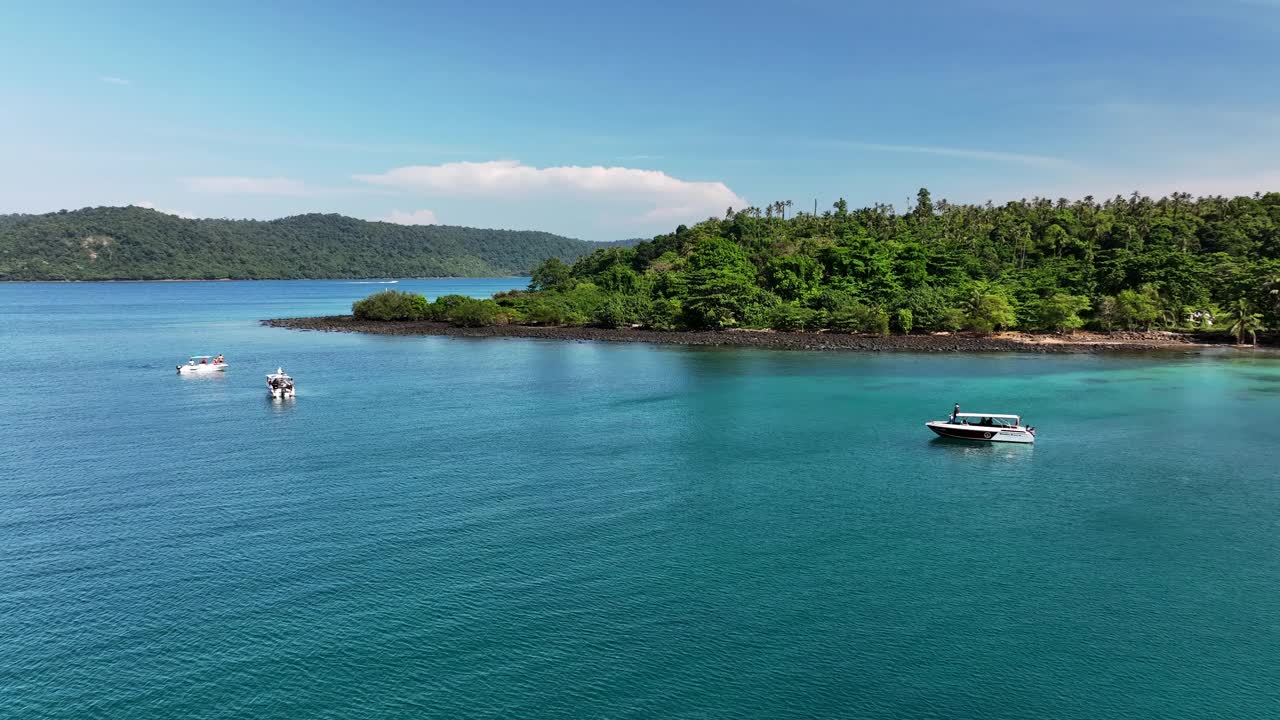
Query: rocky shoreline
x,y
1001,342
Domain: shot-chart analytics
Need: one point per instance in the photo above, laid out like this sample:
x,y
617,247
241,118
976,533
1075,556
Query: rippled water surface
x,y
513,528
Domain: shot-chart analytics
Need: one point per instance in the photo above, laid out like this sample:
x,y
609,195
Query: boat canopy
x,y
199,357
987,415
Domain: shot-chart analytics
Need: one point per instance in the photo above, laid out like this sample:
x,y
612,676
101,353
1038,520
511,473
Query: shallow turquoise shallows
x,y
453,528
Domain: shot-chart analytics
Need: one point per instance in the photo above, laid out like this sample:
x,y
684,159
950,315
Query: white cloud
x,y
413,217
987,155
229,185
668,198
151,206
110,80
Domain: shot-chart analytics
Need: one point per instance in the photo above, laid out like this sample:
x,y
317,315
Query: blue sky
x,y
604,121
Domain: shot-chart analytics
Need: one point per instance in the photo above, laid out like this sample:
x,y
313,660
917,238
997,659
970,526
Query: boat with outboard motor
x,y
202,364
280,385
983,427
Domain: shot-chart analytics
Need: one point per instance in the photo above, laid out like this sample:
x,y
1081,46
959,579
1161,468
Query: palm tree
x,y
1245,320
973,300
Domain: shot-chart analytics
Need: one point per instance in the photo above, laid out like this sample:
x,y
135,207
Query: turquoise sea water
x,y
513,528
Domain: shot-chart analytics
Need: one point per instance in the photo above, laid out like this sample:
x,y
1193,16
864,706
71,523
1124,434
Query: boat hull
x,y
201,369
982,433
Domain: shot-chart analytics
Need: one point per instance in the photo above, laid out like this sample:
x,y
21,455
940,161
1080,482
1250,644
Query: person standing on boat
x,y
955,413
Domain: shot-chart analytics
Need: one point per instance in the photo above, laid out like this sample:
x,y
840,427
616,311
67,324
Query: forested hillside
x,y
1126,263
110,243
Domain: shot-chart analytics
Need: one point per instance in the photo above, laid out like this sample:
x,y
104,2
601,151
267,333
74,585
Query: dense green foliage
x,y
391,305
132,243
459,310
1127,263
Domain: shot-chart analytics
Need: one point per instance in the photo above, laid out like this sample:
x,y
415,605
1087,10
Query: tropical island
x,y
135,243
1124,268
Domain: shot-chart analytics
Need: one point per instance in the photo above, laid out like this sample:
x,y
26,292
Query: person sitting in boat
x,y
204,361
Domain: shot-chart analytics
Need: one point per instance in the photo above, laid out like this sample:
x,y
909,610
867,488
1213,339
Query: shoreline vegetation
x,y
874,278
1080,342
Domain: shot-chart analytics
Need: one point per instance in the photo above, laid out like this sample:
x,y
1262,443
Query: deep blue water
x,y
513,528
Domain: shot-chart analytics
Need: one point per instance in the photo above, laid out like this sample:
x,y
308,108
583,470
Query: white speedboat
x,y
202,364
983,427
280,385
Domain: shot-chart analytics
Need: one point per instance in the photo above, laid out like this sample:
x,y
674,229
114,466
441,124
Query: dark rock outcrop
x,y
1115,342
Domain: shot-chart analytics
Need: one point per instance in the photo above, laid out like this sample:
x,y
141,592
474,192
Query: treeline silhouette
x,y
133,243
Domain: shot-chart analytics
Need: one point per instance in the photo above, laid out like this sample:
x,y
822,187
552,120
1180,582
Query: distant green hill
x,y
133,243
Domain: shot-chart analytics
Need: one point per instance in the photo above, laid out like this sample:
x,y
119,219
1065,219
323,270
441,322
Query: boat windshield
x,y
987,420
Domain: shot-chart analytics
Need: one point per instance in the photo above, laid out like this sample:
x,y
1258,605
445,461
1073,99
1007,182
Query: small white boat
x,y
983,427
280,385
202,364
